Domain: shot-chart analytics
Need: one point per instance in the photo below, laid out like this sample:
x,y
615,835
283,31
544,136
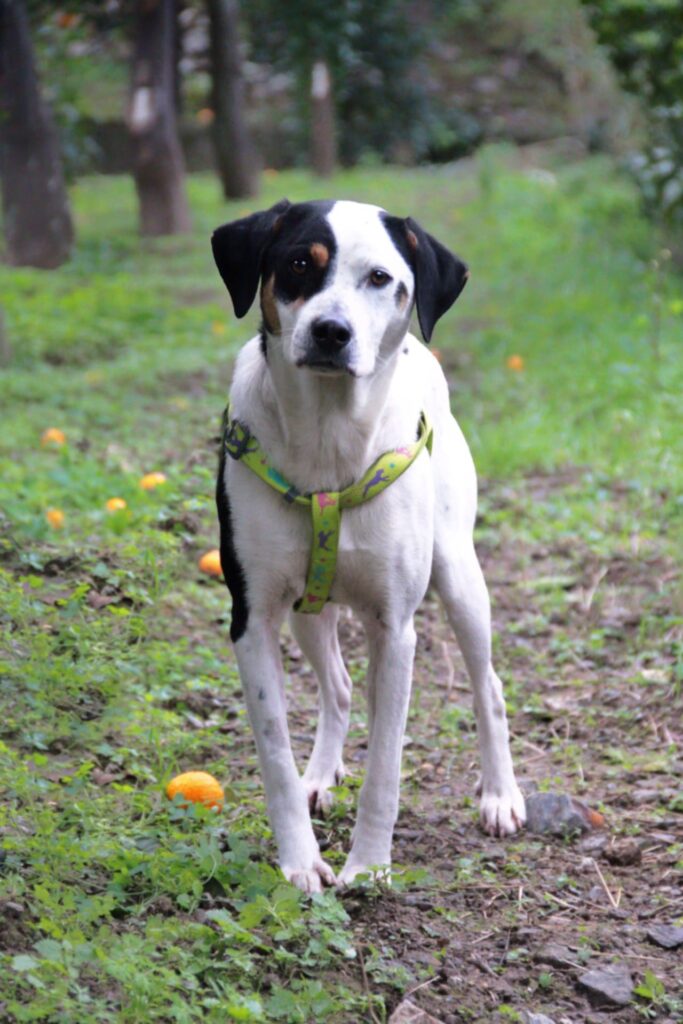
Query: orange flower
x,y
53,436
151,480
114,504
55,518
211,563
205,115
515,363
197,787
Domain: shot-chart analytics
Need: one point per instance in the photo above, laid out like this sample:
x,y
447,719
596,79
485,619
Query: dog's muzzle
x,y
330,344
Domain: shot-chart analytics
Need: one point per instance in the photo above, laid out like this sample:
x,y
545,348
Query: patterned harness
x,y
326,506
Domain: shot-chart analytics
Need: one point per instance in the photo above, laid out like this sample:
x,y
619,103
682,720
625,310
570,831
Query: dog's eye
x,y
299,266
379,278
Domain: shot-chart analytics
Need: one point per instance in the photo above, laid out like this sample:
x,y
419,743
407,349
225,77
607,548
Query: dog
x,y
334,380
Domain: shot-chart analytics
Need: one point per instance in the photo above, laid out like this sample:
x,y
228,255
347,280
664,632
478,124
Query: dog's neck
x,y
321,431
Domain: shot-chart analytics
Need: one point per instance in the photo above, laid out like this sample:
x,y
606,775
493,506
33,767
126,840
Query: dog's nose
x,y
331,334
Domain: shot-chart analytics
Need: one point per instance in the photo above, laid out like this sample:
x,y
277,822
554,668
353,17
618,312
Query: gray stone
x,y
408,1012
535,1018
612,985
558,814
669,936
555,955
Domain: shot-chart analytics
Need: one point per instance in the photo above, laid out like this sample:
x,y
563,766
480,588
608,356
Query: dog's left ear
x,y
439,276
238,250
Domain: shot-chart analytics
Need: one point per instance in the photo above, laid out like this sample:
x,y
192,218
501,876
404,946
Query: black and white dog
x,y
333,381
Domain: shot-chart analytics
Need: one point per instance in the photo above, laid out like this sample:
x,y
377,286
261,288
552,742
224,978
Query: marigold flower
x,y
514,363
53,436
55,518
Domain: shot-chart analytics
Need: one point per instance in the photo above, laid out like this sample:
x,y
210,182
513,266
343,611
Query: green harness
x,y
326,506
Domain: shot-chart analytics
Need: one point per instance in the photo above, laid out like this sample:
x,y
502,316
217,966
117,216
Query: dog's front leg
x,y
260,665
390,671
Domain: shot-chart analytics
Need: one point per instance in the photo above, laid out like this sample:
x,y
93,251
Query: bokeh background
x,y
542,142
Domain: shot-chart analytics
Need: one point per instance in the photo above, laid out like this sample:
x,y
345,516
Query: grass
x,y
116,671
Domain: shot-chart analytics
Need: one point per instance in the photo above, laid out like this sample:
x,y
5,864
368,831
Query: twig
x,y
589,594
449,666
366,987
610,897
423,984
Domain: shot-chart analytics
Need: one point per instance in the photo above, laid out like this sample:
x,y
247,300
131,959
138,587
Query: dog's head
x,y
338,280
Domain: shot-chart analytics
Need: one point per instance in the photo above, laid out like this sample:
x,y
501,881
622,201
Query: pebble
x,y
669,936
408,1012
555,955
558,814
612,985
593,843
535,1018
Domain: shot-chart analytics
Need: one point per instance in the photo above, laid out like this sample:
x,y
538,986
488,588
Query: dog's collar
x,y
326,506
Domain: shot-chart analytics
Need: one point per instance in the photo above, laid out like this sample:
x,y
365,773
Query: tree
x,y
37,217
234,152
644,41
368,53
159,166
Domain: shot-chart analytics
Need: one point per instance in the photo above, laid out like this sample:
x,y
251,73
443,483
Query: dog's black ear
x,y
238,250
439,276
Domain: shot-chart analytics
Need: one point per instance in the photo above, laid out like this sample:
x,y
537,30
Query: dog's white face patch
x,y
361,313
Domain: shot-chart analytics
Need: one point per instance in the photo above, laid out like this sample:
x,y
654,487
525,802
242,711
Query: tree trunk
x,y
37,217
323,135
235,156
158,164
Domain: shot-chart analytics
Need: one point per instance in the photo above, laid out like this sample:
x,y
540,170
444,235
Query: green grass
x,y
111,637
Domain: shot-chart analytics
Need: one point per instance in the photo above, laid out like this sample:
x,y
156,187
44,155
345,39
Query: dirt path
x,y
495,928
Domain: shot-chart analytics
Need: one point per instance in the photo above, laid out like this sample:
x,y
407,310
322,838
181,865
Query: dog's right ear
x,y
238,250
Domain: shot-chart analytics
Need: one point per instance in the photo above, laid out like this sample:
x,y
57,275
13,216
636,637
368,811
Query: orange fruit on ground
x,y
53,436
514,363
211,563
151,480
197,788
55,518
114,504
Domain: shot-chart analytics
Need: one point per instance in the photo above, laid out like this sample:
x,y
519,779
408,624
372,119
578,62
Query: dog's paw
x,y
310,879
502,814
351,871
318,785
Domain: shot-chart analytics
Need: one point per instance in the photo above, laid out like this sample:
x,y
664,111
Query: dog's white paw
x,y
502,814
318,785
312,878
350,872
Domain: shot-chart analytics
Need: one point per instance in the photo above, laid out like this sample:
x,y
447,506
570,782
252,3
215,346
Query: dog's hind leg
x,y
317,637
458,578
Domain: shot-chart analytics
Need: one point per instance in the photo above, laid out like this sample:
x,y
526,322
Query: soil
x,y
505,926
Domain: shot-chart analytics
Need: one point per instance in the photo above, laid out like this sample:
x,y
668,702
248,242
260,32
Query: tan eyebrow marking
x,y
268,306
320,254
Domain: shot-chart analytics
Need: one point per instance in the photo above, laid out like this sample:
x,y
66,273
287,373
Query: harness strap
x,y
326,506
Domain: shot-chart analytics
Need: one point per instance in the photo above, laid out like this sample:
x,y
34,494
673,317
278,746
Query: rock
x,y
555,955
669,936
559,814
623,851
593,843
408,1013
535,1018
612,986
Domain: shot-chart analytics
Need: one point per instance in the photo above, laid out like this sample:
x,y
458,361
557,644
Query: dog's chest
x,y
384,544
